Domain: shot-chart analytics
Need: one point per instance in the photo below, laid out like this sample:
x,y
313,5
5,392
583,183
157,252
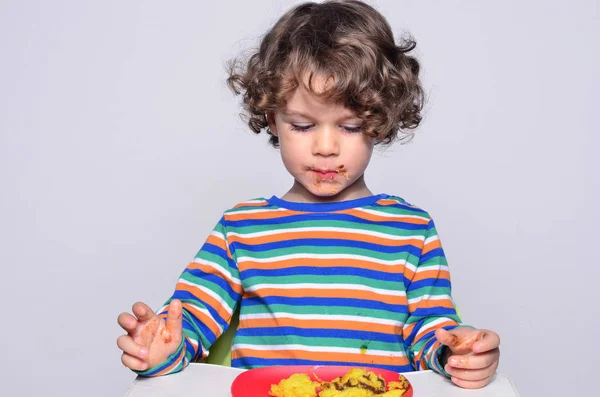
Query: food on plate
x,y
297,385
355,383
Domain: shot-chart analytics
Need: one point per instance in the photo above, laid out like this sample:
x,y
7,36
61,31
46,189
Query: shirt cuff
x,y
174,363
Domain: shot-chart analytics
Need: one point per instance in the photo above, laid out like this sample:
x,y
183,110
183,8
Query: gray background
x,y
120,147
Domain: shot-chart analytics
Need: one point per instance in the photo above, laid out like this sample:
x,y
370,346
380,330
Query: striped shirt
x,y
361,282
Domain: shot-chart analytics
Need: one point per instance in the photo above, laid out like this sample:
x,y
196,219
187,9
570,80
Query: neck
x,y
299,194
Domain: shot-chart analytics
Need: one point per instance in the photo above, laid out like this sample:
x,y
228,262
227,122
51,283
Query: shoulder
x,y
248,208
398,206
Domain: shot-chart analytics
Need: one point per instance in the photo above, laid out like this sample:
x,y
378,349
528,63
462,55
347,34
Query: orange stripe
x,y
419,354
248,204
286,235
314,324
431,246
320,356
355,263
439,274
219,242
327,293
396,202
209,301
204,319
260,215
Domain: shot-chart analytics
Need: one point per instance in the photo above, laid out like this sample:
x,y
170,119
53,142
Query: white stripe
x,y
256,211
320,349
411,267
208,292
327,286
385,214
252,202
224,272
326,229
429,297
323,317
430,239
321,256
439,268
428,327
218,234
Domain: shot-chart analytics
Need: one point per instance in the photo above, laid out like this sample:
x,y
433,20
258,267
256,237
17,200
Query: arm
x,y
209,290
430,304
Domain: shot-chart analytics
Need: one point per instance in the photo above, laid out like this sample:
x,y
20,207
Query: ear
x,y
271,122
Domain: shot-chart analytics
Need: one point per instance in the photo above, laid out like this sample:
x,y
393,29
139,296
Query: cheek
x,y
290,154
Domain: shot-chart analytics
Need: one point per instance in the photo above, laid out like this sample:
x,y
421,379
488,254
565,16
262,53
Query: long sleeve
x,y
430,303
209,290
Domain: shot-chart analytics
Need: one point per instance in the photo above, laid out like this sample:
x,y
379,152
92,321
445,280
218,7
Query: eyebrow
x,y
297,113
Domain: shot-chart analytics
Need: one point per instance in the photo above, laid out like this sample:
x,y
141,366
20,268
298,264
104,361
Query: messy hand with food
x,y
150,339
471,357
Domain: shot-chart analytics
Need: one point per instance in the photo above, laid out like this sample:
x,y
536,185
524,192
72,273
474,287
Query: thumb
x,y
447,338
459,340
173,320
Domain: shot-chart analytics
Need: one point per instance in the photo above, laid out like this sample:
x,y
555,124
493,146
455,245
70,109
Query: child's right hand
x,y
150,340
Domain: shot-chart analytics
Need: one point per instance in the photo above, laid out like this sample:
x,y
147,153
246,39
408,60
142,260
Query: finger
x,y
469,384
128,345
133,363
446,338
142,311
489,341
459,340
472,374
127,322
174,317
474,361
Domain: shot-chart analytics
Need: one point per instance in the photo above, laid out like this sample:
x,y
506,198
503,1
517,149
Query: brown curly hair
x,y
348,42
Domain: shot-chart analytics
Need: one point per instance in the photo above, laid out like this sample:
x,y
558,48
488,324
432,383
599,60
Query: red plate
x,y
257,382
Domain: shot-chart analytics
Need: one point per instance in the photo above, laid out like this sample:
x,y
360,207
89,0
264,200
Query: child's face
x,y
322,145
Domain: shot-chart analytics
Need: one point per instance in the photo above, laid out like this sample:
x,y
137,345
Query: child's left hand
x,y
473,357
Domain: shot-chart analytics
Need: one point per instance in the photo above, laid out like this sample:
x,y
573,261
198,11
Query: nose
x,y
326,142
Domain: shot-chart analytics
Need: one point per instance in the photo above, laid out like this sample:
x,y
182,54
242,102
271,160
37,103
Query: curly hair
x,y
349,43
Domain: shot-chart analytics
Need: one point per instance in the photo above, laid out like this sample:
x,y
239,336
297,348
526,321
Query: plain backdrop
x,y
120,146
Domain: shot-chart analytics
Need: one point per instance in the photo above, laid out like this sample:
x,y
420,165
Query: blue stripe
x,y
326,302
253,362
322,332
438,252
323,271
327,207
327,242
430,282
220,252
434,312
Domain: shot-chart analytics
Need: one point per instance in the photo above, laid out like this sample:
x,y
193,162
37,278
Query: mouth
x,y
326,174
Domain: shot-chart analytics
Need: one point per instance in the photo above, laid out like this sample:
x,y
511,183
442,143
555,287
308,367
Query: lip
x,y
327,173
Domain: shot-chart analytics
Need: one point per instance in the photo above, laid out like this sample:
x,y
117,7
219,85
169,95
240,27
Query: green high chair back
x,y
220,351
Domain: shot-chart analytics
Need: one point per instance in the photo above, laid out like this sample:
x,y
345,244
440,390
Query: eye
x,y
352,128
303,127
